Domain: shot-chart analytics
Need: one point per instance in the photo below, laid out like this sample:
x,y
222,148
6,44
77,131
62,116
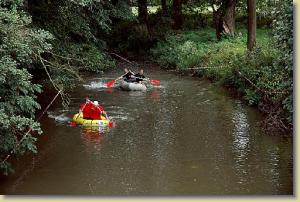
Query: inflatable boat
x,y
78,118
133,86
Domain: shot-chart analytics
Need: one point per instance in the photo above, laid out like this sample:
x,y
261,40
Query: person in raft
x,y
92,110
128,76
139,77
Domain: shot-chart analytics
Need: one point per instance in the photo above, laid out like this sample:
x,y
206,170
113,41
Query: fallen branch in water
x,y
273,122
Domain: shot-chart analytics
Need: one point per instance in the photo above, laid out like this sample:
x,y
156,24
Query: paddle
x,y
110,83
152,81
155,82
73,123
111,124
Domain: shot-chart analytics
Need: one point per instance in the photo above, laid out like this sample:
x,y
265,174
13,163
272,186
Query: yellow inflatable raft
x,y
78,118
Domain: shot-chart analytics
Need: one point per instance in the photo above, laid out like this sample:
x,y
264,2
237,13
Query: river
x,y
182,137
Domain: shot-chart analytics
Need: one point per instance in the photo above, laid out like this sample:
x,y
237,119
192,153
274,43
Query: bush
x,y
263,76
18,103
283,36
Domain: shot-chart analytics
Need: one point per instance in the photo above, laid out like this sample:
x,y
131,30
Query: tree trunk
x,y
229,17
177,14
114,2
251,5
218,22
164,7
143,13
224,18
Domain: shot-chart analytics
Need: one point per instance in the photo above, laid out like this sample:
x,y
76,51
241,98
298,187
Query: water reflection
x,y
241,146
109,90
93,135
163,149
272,173
251,160
155,95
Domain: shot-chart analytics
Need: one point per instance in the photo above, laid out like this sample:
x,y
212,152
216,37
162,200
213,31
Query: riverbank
x,y
229,64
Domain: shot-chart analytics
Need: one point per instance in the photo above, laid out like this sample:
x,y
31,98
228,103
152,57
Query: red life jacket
x,y
91,111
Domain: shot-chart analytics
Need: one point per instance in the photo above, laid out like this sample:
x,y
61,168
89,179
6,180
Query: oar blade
x,y
110,83
155,82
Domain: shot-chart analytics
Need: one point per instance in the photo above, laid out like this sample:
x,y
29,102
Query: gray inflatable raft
x,y
133,86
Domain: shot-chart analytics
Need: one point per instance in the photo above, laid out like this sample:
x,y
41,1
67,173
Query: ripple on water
x,y
156,86
120,117
59,117
95,85
93,135
205,102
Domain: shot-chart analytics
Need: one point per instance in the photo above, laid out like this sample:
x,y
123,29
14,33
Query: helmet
x,y
96,103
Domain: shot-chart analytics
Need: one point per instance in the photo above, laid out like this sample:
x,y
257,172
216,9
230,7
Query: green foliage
x,y
91,58
80,28
18,44
17,39
17,107
122,11
283,36
256,66
130,36
191,49
197,21
72,18
184,50
252,97
79,20
263,76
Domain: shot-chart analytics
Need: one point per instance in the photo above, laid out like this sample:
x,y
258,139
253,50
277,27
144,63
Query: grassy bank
x,y
228,63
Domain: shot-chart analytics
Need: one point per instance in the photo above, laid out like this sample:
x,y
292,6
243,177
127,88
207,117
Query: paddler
x,y
92,110
139,77
128,76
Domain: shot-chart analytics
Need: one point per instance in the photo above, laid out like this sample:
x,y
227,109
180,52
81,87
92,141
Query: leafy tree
x,y
18,44
283,36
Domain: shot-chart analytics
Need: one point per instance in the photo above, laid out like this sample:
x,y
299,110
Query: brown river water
x,y
183,137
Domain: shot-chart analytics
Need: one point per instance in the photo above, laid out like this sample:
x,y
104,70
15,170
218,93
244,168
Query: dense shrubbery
x,y
71,43
77,27
283,35
263,76
18,44
191,49
130,36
